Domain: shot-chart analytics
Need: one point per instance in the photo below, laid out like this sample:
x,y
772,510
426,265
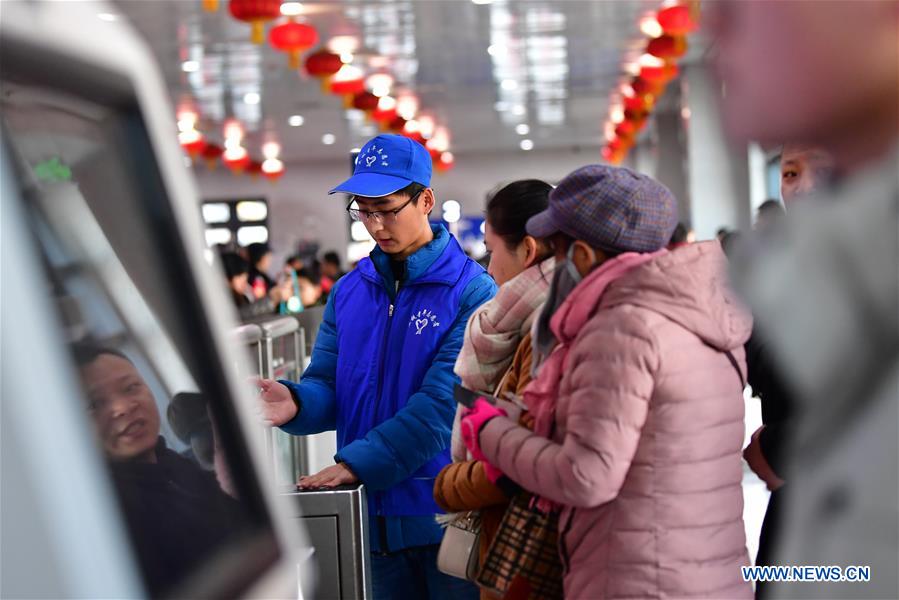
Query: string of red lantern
x,y
639,95
337,78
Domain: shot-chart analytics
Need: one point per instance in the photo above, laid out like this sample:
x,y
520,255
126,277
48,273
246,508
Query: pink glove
x,y
473,420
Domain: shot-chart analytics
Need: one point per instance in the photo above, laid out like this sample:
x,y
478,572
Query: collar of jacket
x,y
418,266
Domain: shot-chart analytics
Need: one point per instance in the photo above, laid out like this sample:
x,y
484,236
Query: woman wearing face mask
x,y
496,355
638,405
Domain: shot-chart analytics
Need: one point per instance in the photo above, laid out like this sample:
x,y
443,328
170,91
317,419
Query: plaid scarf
x,y
494,332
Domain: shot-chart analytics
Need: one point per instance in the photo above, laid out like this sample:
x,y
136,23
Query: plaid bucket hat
x,y
614,209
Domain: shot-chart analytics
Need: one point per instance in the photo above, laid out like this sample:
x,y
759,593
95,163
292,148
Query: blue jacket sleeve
x,y
395,449
316,391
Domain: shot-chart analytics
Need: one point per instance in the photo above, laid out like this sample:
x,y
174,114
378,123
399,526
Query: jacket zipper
x,y
390,310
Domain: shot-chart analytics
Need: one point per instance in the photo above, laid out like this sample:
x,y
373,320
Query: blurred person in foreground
x,y
827,295
765,454
638,403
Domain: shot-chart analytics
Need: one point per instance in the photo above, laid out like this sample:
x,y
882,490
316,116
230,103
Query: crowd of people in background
x,y
303,282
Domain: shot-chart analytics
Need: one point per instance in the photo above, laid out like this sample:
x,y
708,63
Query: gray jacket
x,y
829,296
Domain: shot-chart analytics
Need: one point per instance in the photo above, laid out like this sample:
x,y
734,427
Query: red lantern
x,y
643,87
211,154
662,74
446,162
254,169
638,118
636,103
626,129
612,155
413,134
236,159
256,13
384,116
667,47
192,141
347,87
676,20
397,125
293,38
323,63
366,101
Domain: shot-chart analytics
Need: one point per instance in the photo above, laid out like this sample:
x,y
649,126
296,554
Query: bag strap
x,y
733,360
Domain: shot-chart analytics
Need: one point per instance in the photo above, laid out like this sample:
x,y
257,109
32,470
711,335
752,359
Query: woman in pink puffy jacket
x,y
638,401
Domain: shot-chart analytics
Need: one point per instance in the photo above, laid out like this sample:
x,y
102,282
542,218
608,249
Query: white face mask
x,y
572,270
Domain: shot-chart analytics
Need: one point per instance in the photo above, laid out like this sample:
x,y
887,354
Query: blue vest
x,y
387,346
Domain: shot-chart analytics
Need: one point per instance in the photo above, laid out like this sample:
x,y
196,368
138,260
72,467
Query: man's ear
x,y
427,201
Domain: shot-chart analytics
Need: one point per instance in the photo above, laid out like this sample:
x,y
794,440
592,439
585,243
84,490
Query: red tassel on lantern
x,y
293,38
256,13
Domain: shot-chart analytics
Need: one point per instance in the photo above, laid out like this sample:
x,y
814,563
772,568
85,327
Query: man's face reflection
x,y
122,407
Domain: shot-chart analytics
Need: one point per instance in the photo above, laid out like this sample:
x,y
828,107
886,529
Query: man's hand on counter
x,y
275,404
329,477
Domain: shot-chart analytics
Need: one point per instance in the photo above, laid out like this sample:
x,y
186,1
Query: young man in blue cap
x,y
382,367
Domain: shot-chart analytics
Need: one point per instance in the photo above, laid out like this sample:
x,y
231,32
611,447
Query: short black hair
x,y
411,190
256,251
234,265
313,275
332,258
86,352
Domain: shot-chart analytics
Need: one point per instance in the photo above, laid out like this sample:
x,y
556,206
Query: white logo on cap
x,y
373,154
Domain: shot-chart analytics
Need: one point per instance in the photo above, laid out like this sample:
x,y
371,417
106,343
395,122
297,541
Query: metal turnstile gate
x,y
336,522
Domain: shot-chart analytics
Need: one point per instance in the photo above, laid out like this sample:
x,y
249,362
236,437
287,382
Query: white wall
x,y
299,205
718,173
300,208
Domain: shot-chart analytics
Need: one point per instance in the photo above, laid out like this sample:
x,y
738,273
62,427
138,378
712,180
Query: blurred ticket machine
x,y
130,463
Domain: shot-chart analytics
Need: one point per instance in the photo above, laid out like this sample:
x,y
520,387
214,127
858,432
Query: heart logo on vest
x,y
422,320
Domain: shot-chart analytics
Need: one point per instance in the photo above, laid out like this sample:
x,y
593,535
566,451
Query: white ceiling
x,y
565,54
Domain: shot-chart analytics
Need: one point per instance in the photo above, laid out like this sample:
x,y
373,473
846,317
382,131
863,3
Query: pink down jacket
x,y
646,452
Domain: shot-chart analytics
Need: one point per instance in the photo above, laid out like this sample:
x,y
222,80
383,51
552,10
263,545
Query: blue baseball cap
x,y
387,164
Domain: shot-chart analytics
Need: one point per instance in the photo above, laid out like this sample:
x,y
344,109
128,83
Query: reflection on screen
x,y
133,329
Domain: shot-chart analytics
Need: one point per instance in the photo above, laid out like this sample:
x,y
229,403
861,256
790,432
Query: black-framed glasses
x,y
379,216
